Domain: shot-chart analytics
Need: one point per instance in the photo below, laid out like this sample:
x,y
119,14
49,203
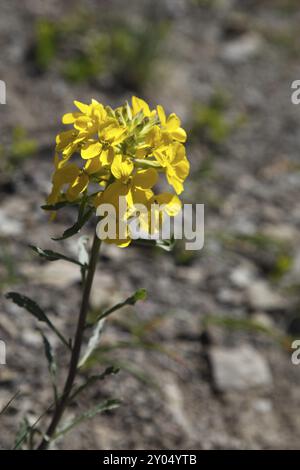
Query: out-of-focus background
x,y
206,359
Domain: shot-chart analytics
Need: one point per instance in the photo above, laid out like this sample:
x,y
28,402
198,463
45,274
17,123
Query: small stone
x,y
263,405
8,225
242,49
262,297
239,368
230,297
104,291
193,275
59,274
242,276
263,320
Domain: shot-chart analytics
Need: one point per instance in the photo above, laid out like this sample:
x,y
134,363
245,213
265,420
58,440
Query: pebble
x,y
239,368
262,297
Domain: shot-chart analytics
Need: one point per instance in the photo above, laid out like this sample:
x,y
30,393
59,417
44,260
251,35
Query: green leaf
x,y
107,405
83,256
111,370
82,219
35,310
167,245
51,363
22,433
93,342
140,294
55,207
5,408
50,255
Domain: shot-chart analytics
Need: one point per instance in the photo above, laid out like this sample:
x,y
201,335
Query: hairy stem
x,y
63,402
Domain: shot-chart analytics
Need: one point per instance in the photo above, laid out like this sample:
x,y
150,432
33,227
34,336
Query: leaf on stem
x,y
22,433
35,310
55,207
82,219
5,408
83,256
107,405
140,294
93,342
50,255
52,366
111,370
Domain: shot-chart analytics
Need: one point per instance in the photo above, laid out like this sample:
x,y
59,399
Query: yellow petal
x,y
70,118
107,156
77,187
145,179
170,202
93,165
179,134
121,167
84,108
173,122
174,181
64,175
91,149
161,114
140,105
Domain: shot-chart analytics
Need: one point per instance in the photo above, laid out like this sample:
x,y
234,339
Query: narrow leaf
x,y
55,207
140,294
93,342
167,245
111,370
33,308
22,433
52,367
107,405
77,226
83,256
50,255
5,408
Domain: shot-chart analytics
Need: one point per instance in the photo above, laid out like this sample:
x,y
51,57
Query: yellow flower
x,y
140,105
135,186
170,127
123,151
110,135
176,164
86,121
76,179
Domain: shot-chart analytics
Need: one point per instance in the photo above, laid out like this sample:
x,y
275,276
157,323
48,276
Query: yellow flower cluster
x,y
121,152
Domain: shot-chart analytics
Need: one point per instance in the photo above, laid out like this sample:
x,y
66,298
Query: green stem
x,y
63,402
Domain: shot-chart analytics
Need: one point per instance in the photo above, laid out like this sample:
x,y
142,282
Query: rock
x,y
239,368
8,225
262,297
281,232
230,297
104,291
190,274
263,405
59,274
263,320
31,337
176,406
242,276
242,49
